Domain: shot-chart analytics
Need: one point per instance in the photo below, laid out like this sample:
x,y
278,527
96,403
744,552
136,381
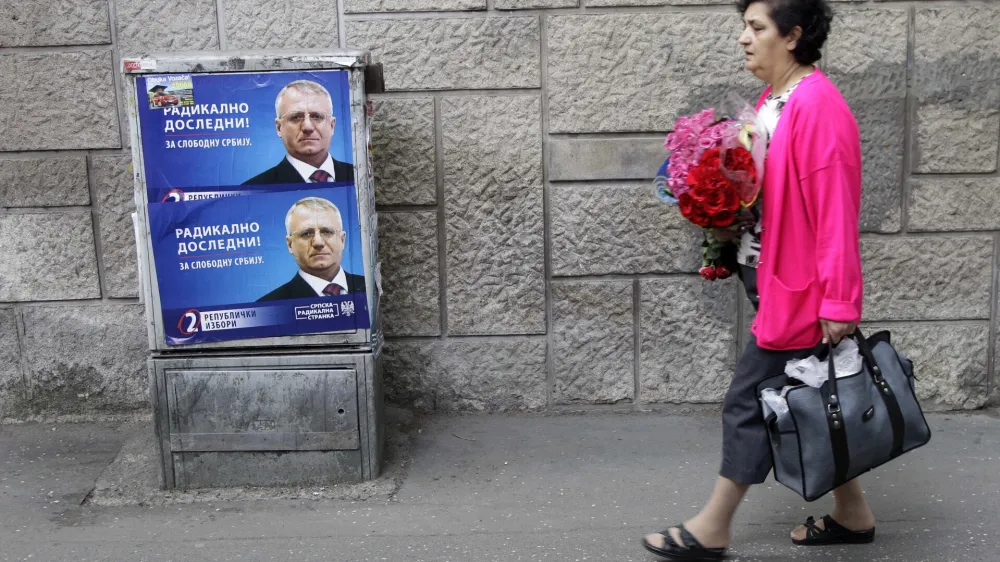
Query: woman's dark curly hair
x,y
813,16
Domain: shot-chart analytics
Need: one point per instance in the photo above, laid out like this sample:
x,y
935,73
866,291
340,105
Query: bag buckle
x,y
880,380
834,406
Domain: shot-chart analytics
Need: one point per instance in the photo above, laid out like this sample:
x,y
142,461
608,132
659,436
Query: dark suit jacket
x,y
298,288
284,172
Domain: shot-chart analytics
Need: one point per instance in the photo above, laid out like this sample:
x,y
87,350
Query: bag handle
x,y
833,405
880,382
866,353
838,436
835,419
896,418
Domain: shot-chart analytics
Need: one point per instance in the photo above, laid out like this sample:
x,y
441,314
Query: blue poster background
x,y
231,165
167,195
194,280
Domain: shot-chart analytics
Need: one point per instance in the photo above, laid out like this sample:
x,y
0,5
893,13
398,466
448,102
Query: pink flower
x,y
679,164
714,133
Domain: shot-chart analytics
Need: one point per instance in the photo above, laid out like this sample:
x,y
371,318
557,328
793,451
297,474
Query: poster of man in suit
x,y
253,206
306,125
248,131
315,236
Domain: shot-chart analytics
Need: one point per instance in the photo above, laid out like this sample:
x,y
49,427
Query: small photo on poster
x,y
170,91
245,132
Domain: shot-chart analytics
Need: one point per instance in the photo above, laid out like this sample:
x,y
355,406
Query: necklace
x,y
773,96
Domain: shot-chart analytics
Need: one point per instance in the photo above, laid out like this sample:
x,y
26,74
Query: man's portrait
x,y
306,124
316,238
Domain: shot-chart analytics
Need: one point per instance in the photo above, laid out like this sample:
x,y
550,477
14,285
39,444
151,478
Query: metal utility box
x,y
257,243
269,420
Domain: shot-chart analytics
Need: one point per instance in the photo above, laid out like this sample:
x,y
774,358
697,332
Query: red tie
x,y
332,289
319,176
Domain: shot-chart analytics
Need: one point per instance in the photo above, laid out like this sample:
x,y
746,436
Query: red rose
x,y
728,194
701,192
699,215
733,201
701,218
685,203
712,199
708,272
715,202
722,272
696,175
692,209
710,159
720,183
702,177
724,218
739,159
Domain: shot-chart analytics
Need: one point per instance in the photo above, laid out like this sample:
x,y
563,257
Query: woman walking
x,y
799,260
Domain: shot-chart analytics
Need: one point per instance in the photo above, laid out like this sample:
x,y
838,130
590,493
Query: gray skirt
x,y
746,452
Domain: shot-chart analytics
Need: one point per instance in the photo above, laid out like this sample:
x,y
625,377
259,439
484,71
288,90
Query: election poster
x,y
252,205
244,131
271,264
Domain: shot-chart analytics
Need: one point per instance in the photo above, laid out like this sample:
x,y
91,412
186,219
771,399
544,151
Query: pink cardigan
x,y
810,262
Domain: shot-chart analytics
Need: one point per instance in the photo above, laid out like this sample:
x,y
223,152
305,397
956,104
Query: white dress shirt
x,y
319,284
306,170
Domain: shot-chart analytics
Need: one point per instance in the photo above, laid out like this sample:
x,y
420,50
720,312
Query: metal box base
x,y
300,419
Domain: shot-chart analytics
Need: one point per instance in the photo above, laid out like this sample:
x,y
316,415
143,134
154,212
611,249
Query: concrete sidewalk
x,y
491,488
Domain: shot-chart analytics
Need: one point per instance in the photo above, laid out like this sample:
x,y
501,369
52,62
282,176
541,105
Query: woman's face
x,y
767,52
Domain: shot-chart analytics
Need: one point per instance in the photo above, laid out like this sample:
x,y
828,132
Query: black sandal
x,y
833,533
691,550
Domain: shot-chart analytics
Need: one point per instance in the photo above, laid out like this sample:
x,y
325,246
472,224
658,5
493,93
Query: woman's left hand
x,y
836,331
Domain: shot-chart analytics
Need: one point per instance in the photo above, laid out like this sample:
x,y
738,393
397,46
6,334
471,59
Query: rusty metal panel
x,y
255,405
303,468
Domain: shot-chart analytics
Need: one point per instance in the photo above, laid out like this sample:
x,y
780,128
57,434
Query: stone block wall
x,y
526,264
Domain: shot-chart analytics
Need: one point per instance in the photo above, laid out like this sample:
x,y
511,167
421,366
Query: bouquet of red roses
x,y
714,170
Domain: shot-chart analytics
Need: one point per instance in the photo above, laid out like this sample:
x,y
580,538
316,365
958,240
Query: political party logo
x,y
190,322
178,195
174,196
325,310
